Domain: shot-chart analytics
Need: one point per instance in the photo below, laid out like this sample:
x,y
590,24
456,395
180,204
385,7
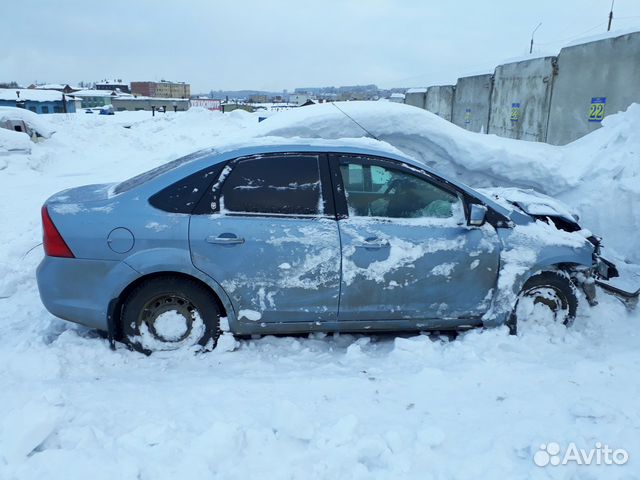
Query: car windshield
x,y
156,172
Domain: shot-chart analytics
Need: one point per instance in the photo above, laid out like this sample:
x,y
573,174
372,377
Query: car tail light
x,y
54,244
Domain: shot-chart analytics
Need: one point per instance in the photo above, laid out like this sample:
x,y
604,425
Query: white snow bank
x,y
13,142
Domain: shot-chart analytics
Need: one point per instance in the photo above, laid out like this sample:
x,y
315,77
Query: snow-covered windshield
x,y
156,172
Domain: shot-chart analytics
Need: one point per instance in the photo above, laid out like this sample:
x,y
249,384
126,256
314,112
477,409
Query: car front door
x,y
407,252
272,240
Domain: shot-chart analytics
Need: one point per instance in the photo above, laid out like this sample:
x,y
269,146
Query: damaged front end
x,y
606,276
622,281
603,273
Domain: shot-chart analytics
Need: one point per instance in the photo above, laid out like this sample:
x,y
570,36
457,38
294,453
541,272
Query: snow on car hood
x,y
531,202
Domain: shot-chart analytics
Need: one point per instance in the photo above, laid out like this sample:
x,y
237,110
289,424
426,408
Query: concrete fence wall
x,y
416,97
439,100
521,99
550,99
471,102
605,74
131,104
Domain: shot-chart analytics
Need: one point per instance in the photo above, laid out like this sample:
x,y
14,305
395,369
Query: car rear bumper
x,y
80,290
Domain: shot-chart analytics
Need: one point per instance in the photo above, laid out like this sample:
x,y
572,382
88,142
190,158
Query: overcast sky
x,y
278,44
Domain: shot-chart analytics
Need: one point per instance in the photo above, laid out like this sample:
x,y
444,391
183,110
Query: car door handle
x,y
373,243
225,240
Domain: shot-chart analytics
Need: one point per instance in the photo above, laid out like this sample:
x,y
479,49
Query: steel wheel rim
x,y
167,303
557,302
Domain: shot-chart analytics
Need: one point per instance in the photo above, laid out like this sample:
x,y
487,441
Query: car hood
x,y
531,202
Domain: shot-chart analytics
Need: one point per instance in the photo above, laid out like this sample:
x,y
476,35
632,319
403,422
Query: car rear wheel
x,y
169,313
547,297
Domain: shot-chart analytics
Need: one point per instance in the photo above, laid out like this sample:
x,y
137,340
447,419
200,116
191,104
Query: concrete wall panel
x,y
606,70
440,100
521,99
416,97
471,102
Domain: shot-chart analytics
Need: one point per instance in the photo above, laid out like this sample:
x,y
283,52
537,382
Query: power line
x,y
577,35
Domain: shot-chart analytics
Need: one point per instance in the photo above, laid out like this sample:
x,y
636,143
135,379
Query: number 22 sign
x,y
596,109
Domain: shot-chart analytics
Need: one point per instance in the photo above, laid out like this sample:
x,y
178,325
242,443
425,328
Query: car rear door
x,y
407,252
271,239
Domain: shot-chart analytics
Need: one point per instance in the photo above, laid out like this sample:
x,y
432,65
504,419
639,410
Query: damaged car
x,y
288,238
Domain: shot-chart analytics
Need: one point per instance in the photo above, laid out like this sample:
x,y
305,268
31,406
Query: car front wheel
x,y
547,297
169,313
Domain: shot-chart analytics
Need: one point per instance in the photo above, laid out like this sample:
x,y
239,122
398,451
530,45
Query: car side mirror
x,y
477,215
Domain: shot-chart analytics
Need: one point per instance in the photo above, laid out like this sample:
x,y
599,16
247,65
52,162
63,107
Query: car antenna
x,y
351,118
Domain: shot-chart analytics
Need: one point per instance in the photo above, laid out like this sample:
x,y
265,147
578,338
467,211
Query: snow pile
x,y
429,139
35,122
597,175
13,142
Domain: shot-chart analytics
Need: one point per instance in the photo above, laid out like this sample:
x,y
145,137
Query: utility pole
x,y
610,16
532,34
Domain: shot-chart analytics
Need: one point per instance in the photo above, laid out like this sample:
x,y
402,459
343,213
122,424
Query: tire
x,y
553,289
168,313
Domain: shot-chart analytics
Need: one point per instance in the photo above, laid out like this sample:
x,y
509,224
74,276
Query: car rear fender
x,y
178,260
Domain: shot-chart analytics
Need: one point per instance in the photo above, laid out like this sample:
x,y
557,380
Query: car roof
x,y
267,145
369,147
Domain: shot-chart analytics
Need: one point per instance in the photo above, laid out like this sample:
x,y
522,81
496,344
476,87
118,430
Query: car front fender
x,y
523,257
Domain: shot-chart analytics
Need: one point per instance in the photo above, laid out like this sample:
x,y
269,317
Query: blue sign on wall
x,y
596,109
515,112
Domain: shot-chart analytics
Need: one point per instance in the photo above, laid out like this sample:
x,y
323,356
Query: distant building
x,y
111,85
208,103
131,103
95,98
230,107
258,98
64,88
162,89
38,101
299,98
350,96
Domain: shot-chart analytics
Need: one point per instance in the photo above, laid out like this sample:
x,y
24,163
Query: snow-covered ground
x,y
478,405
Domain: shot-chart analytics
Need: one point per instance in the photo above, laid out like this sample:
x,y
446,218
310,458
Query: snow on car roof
x,y
280,144
33,120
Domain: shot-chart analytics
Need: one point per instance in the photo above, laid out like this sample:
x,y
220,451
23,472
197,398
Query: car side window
x,y
183,196
285,185
377,191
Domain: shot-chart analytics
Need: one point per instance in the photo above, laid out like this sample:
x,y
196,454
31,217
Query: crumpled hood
x,y
530,202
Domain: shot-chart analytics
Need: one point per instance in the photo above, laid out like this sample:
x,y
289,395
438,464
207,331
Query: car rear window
x,y
156,172
184,195
284,185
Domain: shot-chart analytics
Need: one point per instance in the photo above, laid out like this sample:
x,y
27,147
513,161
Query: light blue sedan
x,y
299,238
